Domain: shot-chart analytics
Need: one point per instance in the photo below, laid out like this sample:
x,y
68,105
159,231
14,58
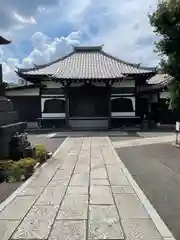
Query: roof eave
x,y
19,87
4,41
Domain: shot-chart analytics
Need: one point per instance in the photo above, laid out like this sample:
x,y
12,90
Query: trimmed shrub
x,y
23,168
28,165
41,153
15,172
4,167
5,164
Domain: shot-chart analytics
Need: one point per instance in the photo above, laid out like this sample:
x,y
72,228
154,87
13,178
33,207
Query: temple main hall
x,y
89,89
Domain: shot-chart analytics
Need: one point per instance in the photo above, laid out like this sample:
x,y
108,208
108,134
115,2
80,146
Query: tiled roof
x,y
158,81
87,63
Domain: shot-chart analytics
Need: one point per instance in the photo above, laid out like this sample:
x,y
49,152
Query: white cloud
x,y
24,20
45,50
14,12
121,25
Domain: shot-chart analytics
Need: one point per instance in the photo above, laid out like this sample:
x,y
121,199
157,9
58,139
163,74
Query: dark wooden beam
x,y
66,91
1,73
109,105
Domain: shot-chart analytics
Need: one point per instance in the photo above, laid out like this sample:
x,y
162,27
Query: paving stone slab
x,y
96,154
98,172
49,170
62,175
81,168
40,182
130,206
31,191
72,156
7,227
37,224
104,223
51,196
140,229
122,190
108,155
100,181
84,160
116,176
97,164
18,208
57,183
110,159
77,190
68,230
80,179
101,195
74,207
67,166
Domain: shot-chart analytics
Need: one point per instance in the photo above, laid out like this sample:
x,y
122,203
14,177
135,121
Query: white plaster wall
x,y
123,114
49,96
121,94
54,115
44,99
23,92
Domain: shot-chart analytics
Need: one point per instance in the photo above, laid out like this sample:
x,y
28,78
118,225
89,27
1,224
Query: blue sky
x,y
43,30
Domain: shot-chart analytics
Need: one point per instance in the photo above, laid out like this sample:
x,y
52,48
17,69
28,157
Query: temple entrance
x,y
88,107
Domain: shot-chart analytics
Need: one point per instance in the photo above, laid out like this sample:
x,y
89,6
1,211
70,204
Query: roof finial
x,y
139,65
87,48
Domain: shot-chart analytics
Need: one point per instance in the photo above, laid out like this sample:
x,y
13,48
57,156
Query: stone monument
x,y
10,128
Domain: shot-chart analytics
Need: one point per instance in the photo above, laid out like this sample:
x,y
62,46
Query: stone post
x,y
9,124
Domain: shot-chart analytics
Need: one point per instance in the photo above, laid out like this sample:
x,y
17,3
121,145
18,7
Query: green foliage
x,y
19,169
27,162
41,153
28,165
166,23
15,172
5,164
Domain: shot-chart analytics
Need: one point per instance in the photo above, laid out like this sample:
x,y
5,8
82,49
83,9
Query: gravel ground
x,y
6,189
156,168
51,144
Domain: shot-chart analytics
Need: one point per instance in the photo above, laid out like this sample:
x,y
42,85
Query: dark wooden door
x,y
88,101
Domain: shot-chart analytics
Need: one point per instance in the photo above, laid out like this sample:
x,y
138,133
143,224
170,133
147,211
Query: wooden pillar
x,y
158,107
67,105
109,106
1,74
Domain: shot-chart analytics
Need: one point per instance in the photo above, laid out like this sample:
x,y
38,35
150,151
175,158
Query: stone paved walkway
x,y
83,193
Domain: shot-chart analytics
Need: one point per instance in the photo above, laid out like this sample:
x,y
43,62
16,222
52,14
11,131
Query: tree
x,y
166,23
